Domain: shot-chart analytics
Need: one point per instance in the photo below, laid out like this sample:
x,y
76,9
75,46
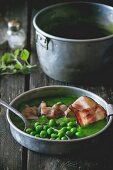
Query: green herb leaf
x,y
24,55
17,66
15,62
6,58
16,53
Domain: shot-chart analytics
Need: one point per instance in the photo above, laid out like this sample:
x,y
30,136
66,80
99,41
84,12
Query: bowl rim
x,y
57,141
40,31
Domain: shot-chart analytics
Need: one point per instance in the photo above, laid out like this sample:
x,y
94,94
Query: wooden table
x,y
12,155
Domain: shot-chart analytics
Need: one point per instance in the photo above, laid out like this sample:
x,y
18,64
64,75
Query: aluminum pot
x,y
74,39
55,146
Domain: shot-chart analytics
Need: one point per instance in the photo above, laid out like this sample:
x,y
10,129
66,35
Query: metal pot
x,y
66,49
58,147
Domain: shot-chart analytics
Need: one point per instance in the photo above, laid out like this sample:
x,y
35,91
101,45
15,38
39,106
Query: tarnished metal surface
x,y
57,147
69,59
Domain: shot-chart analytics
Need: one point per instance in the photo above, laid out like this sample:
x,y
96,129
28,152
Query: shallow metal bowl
x,y
54,146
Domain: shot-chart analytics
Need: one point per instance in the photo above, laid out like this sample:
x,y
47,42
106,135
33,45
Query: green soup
x,y
68,126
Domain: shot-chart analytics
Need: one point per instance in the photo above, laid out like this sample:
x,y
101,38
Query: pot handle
x,y
42,39
110,109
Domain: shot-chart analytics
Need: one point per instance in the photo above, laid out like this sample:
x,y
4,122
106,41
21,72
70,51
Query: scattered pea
x,y
69,134
71,124
52,138
28,130
52,122
63,124
61,134
43,134
53,135
36,124
45,127
64,138
79,134
64,129
73,130
57,138
50,131
38,128
33,133
37,135
69,127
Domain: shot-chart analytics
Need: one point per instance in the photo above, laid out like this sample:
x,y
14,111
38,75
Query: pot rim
x,y
40,31
57,141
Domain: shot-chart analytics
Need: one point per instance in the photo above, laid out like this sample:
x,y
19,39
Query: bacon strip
x,y
55,111
30,112
86,110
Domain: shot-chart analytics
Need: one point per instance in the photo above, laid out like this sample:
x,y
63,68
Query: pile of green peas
x,y
54,129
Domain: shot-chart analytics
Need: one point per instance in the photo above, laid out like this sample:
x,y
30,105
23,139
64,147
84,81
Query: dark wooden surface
x,y
12,155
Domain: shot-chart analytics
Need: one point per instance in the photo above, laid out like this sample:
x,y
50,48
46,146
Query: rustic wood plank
x,y
9,148
11,153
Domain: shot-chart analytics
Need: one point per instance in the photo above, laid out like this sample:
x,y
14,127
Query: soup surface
x,y
62,128
79,31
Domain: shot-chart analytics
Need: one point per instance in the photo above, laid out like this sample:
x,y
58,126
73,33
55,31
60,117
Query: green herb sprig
x,y
15,62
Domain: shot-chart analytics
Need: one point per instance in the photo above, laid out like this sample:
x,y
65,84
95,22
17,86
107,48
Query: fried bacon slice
x,y
55,111
30,112
86,110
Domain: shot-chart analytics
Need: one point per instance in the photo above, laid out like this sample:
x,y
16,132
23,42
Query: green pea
x,y
64,129
57,138
79,134
69,128
66,120
43,116
38,128
43,134
55,131
79,128
52,122
69,134
33,133
36,124
50,131
63,124
61,134
64,138
73,130
71,124
45,127
53,135
29,130
52,138
37,135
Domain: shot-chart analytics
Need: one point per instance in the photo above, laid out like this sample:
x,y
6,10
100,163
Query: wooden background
x,y
12,155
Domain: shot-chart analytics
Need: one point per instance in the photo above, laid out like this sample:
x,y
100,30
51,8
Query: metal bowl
x,y
54,146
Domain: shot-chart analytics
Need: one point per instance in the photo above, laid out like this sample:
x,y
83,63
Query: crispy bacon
x,y
86,110
30,112
44,109
55,111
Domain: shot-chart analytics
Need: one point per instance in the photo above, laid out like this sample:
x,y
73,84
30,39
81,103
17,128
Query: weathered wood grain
x,y
11,153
